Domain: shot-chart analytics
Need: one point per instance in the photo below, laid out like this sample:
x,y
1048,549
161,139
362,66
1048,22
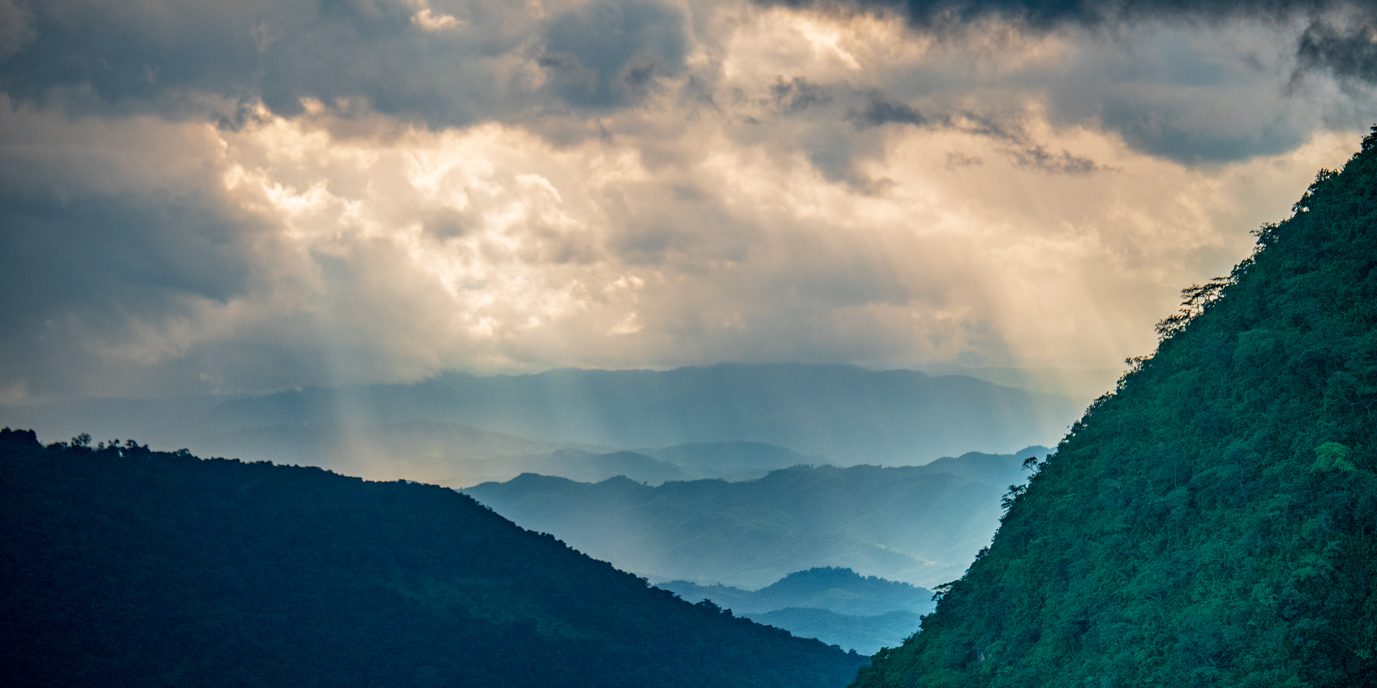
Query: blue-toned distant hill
x,y
918,524
835,605
833,588
847,414
125,567
729,460
703,460
458,455
1213,522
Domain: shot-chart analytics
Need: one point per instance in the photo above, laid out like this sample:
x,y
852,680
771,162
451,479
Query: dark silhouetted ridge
x,y
126,567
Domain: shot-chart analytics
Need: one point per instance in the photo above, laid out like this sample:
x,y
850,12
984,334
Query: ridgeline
x,y
128,567
1212,522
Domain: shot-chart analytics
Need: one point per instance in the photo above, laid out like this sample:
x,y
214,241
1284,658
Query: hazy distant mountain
x,y
586,466
1000,470
1083,383
837,589
702,460
834,605
849,415
459,455
921,525
445,453
733,460
128,567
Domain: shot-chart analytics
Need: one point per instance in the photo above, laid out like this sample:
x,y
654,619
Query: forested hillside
x,y
128,567
1213,522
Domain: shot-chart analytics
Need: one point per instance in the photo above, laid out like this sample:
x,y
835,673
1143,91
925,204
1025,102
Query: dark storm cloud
x,y
386,56
795,95
1340,37
1195,83
1050,13
1012,139
879,112
87,271
1347,50
608,54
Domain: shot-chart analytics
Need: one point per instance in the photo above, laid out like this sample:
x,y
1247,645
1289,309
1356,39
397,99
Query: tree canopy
x,y
125,566
1213,521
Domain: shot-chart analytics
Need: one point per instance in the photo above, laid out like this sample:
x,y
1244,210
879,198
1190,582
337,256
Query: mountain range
x,y
125,566
916,524
459,455
460,429
834,605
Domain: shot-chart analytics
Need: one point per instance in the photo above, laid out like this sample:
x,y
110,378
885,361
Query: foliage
x,y
125,566
1213,522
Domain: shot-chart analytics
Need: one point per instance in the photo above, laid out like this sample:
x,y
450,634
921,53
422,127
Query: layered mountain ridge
x,y
835,605
915,524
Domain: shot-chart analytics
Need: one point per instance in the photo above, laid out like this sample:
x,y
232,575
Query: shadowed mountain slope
x,y
130,567
1214,521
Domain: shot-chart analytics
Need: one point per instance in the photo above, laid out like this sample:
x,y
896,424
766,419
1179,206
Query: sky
x,y
236,196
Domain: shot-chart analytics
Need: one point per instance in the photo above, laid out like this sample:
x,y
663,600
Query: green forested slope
x,y
1214,521
125,567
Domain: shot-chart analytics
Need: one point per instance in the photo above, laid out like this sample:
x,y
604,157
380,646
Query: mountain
x,y
836,589
702,460
130,567
850,415
918,524
457,455
1001,470
732,460
586,466
834,605
1213,522
429,451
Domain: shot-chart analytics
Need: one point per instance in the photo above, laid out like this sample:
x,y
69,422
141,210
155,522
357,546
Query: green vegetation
x,y
124,566
1213,522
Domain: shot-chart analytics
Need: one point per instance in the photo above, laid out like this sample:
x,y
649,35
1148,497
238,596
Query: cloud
x,y
798,94
101,249
879,112
438,66
1046,14
1347,48
249,196
16,27
1191,81
1011,137
606,54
